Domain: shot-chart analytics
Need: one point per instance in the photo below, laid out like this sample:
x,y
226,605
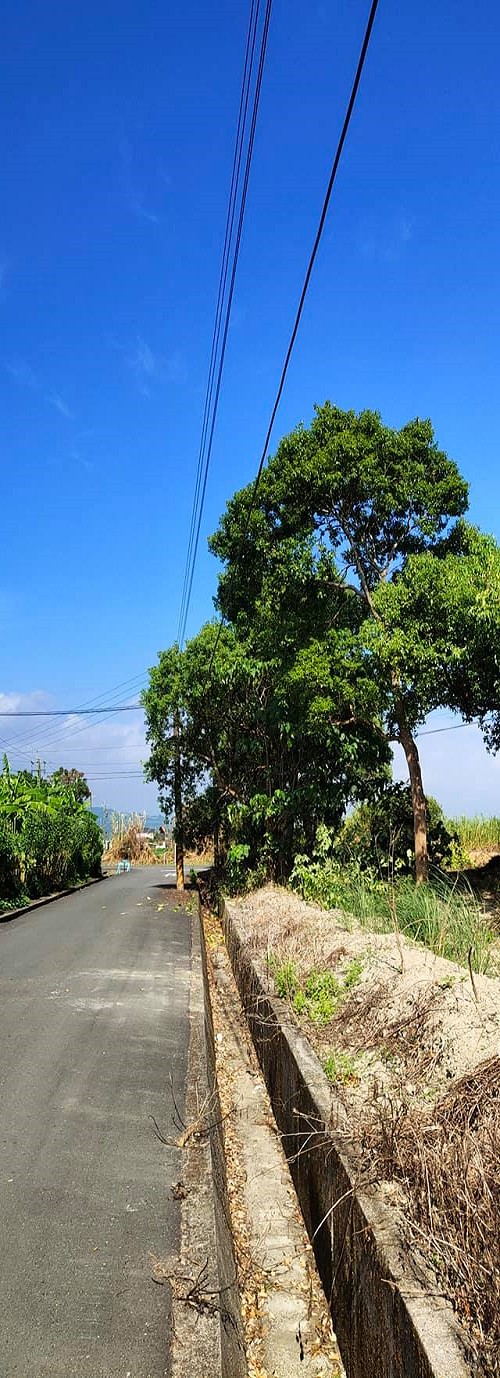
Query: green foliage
x,y
379,836
317,994
353,973
321,995
356,599
86,844
263,757
285,978
374,516
341,1069
48,851
48,838
440,916
476,834
10,879
238,878
73,781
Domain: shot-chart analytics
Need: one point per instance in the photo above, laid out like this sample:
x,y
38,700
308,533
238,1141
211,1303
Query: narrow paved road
x,y
93,1024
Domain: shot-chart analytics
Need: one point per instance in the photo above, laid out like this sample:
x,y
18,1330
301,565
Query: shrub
x,y
10,883
379,836
341,1069
49,858
238,877
87,843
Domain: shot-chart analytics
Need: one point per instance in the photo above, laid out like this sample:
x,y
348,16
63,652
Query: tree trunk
x,y
410,749
179,834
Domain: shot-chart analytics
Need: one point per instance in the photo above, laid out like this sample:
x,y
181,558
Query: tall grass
x,y
440,916
476,833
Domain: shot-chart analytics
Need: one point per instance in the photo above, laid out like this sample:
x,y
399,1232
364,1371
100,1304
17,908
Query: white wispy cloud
x,y
13,732
110,753
150,367
144,214
139,203
16,702
81,461
22,373
60,405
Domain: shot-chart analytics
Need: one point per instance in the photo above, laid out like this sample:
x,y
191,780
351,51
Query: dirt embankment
x,y
411,1045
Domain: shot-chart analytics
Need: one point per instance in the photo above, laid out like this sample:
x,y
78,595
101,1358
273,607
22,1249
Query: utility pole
x,y
179,847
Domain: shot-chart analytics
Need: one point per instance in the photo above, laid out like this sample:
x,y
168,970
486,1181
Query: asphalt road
x,y
93,1024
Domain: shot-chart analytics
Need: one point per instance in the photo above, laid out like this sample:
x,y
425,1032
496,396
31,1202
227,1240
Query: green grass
x,y
440,916
340,1068
476,833
316,995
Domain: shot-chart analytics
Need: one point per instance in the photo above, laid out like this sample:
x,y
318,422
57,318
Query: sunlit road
x,y
93,1024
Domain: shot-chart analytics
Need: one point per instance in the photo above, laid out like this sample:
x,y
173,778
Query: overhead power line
x,y
215,371
68,712
305,286
238,149
50,733
451,727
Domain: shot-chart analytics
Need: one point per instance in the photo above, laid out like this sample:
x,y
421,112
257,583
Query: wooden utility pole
x,y
179,835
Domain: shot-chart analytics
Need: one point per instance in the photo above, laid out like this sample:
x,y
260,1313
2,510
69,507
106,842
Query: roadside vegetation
x,y
49,839
409,1044
356,599
478,834
366,872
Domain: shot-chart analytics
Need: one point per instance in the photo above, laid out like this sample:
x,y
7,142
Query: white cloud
x,y
22,373
144,214
150,367
18,702
109,752
385,239
60,405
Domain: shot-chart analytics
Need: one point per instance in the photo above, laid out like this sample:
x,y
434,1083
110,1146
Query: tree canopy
x,y
356,598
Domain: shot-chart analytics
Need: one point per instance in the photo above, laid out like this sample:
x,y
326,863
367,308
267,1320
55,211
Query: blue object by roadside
x,y
123,866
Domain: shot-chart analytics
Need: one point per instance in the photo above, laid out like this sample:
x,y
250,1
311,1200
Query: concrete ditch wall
x,y
207,1341
386,1324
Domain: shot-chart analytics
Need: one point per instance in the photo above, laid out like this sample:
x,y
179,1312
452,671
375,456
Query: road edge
x,y
7,914
207,1333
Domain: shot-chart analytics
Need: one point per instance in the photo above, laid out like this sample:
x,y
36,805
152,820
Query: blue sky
x,y
118,122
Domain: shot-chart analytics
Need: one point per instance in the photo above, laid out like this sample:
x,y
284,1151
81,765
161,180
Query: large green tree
x,y
377,515
73,780
281,727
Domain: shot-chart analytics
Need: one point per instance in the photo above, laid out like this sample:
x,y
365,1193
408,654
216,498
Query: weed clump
x,y
316,994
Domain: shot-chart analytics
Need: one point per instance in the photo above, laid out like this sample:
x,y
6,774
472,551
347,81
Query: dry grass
x,y
130,846
424,1105
362,1025
447,1160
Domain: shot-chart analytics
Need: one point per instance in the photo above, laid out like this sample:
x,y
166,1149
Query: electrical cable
x,y
67,712
195,544
238,149
47,735
310,266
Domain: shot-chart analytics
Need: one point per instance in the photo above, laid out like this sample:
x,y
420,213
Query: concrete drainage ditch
x,y
387,1324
